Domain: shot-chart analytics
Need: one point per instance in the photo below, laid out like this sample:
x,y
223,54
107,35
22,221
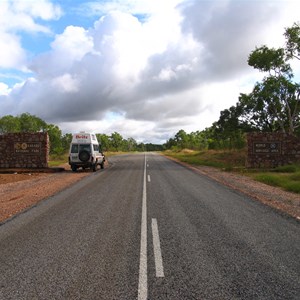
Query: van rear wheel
x,y
74,168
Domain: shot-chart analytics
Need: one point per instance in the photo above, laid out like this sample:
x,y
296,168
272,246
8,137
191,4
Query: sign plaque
x,y
28,148
267,148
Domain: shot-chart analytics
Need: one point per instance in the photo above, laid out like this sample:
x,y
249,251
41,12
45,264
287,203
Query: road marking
x,y
143,280
157,250
149,179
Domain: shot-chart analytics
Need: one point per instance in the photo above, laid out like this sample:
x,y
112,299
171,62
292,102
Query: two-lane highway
x,y
148,228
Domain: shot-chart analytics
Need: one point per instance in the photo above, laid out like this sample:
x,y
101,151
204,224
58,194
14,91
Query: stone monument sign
x,y
272,149
24,150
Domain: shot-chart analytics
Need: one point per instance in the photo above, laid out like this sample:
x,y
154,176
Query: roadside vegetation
x,y
285,177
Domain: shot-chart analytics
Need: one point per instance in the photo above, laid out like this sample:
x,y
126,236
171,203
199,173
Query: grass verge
x,y
285,177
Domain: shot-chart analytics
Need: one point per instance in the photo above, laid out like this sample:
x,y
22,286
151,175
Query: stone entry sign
x,y
270,150
24,150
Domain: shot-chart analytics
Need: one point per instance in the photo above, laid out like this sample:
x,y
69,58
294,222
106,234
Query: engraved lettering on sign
x,y
267,148
30,148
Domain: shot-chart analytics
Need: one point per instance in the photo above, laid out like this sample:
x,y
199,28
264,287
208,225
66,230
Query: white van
x,y
85,152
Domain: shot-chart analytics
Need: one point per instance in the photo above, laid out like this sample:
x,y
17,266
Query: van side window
x,y
96,147
74,148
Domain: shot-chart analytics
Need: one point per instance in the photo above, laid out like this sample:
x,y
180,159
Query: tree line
x,y
60,143
273,105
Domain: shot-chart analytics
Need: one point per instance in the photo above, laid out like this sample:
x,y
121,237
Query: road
x,y
149,228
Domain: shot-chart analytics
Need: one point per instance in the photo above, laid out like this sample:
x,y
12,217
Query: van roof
x,y
84,138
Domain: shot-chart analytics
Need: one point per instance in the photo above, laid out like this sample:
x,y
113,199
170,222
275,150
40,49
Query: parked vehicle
x,y
85,152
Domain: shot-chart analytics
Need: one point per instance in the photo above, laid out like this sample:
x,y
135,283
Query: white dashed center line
x,y
159,270
157,250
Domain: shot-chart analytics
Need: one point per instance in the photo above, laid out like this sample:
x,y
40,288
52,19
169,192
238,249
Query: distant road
x,y
149,228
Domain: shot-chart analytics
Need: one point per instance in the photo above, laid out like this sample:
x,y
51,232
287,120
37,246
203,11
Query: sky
x,y
142,68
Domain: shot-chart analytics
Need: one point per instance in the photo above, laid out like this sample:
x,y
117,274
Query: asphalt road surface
x,y
149,228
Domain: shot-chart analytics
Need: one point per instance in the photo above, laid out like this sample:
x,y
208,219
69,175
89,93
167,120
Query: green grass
x,y
271,179
287,169
57,160
287,181
292,187
295,176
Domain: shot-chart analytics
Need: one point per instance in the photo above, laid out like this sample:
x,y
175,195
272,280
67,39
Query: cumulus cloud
x,y
12,53
229,30
21,16
142,71
43,9
4,89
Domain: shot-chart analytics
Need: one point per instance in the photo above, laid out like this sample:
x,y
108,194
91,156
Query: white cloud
x,y
21,16
4,89
73,42
16,15
147,70
66,83
43,9
12,54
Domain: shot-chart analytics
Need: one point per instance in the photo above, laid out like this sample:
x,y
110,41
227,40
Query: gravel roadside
x,y
29,189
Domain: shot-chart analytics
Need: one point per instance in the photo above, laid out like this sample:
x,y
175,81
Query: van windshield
x,y
76,148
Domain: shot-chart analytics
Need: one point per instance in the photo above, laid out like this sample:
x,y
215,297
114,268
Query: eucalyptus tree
x,y
273,103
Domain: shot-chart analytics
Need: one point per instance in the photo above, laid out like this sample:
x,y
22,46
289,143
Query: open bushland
x,y
285,177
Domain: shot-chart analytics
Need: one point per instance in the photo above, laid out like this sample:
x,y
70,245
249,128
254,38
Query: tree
x,y
170,143
104,141
181,138
116,140
66,140
22,123
31,123
228,130
292,48
274,103
55,138
9,124
131,144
